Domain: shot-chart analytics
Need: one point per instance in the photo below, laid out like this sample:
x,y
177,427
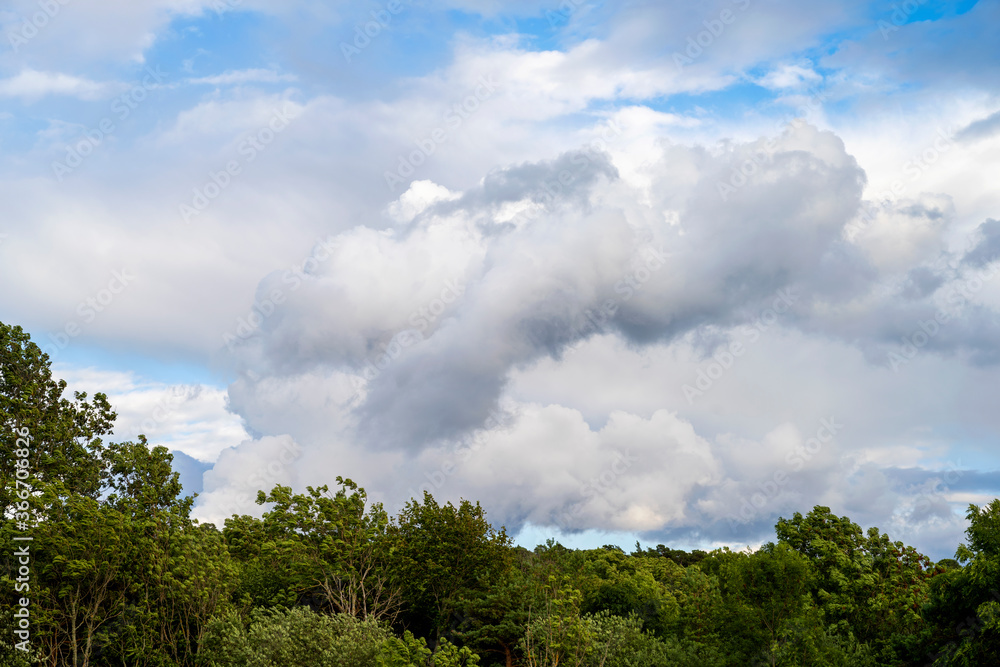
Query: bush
x,y
605,640
413,652
296,637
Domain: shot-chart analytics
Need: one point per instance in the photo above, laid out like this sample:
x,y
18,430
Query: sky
x,y
620,271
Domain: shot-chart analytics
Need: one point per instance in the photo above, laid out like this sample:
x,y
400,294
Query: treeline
x,y
119,574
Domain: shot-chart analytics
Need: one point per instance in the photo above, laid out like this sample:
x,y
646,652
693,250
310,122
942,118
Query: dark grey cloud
x,y
987,248
980,129
921,282
568,178
761,229
952,478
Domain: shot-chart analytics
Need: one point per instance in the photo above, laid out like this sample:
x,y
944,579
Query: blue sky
x,y
498,250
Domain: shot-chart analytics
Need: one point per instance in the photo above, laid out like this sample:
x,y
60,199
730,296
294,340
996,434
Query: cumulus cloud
x,y
231,486
192,418
521,302
420,329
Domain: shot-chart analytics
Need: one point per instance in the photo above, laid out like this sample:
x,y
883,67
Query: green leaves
x,y
122,575
296,637
335,547
65,435
442,555
866,585
410,651
965,603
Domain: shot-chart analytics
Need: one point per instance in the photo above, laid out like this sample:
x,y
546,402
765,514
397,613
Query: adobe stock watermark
x,y
31,27
263,308
364,33
714,27
549,190
421,319
927,500
122,107
926,330
264,477
87,310
599,485
561,15
454,117
898,18
166,406
248,149
437,478
913,168
648,261
967,628
724,358
22,548
651,261
742,174
769,489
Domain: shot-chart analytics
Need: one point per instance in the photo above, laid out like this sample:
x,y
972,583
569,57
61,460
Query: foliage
x,y
964,609
121,574
867,586
296,637
413,652
443,555
336,543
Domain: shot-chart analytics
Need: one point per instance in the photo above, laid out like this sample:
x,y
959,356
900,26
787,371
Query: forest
x,y
104,565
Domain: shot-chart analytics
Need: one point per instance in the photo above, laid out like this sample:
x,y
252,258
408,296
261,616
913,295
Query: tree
x,y
121,573
58,463
867,586
81,555
336,543
443,555
296,637
65,435
964,609
494,619
625,586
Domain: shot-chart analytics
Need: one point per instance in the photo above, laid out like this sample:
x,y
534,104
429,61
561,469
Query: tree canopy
x,y
120,574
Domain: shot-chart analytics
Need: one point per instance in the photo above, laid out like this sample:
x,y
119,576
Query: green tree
x,y
624,586
120,572
443,555
65,435
867,586
340,544
411,651
80,551
297,637
495,618
764,592
964,609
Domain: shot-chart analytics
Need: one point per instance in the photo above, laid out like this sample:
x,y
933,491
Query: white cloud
x,y
500,248
254,465
789,76
230,78
193,419
31,85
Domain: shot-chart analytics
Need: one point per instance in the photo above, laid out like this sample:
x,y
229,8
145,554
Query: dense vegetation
x,y
121,575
